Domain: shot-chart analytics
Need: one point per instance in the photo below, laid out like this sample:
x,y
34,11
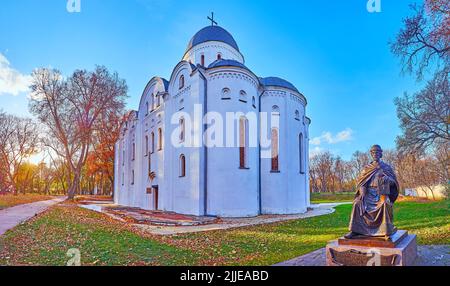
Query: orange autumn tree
x,y
99,169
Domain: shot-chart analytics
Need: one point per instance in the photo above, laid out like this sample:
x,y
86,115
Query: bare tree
x,y
358,162
70,110
19,139
423,46
321,166
424,40
424,117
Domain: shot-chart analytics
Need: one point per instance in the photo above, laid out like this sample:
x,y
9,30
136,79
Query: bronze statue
x,y
377,190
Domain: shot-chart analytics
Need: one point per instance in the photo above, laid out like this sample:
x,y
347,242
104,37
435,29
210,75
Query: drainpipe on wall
x,y
205,149
259,157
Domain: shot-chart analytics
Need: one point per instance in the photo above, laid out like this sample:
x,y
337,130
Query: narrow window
x,y
219,56
153,102
123,179
152,143
146,146
300,152
243,143
243,96
202,60
133,154
132,177
123,157
182,129
254,102
275,110
182,166
160,140
181,104
226,93
149,164
297,115
275,150
181,83
146,108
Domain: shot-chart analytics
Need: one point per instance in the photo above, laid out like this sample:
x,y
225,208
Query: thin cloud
x,y
315,151
12,81
328,137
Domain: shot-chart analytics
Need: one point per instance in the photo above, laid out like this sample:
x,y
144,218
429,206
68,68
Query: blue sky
x,y
335,52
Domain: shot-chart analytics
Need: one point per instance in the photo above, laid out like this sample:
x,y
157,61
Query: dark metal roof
x,y
212,33
276,81
166,84
225,63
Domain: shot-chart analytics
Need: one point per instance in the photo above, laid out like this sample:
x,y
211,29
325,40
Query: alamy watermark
x,y
73,6
375,257
229,130
74,256
374,6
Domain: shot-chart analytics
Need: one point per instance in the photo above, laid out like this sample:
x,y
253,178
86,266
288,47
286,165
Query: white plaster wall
x,y
183,194
297,201
232,192
210,50
284,192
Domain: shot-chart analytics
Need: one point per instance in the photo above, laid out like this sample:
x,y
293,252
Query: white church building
x,y
164,159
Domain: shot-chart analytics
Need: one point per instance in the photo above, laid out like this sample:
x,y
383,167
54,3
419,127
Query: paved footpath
x,y
13,216
428,255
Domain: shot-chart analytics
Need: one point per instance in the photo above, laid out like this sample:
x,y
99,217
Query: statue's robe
x,y
370,215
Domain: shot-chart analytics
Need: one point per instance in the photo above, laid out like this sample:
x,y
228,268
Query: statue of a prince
x,y
377,190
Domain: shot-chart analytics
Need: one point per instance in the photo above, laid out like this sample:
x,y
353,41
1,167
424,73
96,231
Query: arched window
x,y
202,60
275,150
182,129
243,96
300,152
146,146
153,102
276,110
219,56
146,108
153,142
158,100
226,93
297,115
181,82
243,143
160,139
132,177
182,166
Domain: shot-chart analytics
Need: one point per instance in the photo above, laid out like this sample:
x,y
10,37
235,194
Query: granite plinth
x,y
392,242
400,251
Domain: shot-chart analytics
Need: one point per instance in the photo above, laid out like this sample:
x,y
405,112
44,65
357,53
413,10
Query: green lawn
x,y
103,241
332,197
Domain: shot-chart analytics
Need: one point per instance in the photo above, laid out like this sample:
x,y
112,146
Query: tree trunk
x,y
74,185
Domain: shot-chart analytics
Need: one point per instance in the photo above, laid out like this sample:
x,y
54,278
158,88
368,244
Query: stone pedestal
x,y
400,250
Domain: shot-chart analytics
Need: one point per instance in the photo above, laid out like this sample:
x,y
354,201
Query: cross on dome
x,y
212,19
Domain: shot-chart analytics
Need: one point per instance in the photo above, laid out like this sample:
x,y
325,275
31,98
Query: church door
x,y
155,197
